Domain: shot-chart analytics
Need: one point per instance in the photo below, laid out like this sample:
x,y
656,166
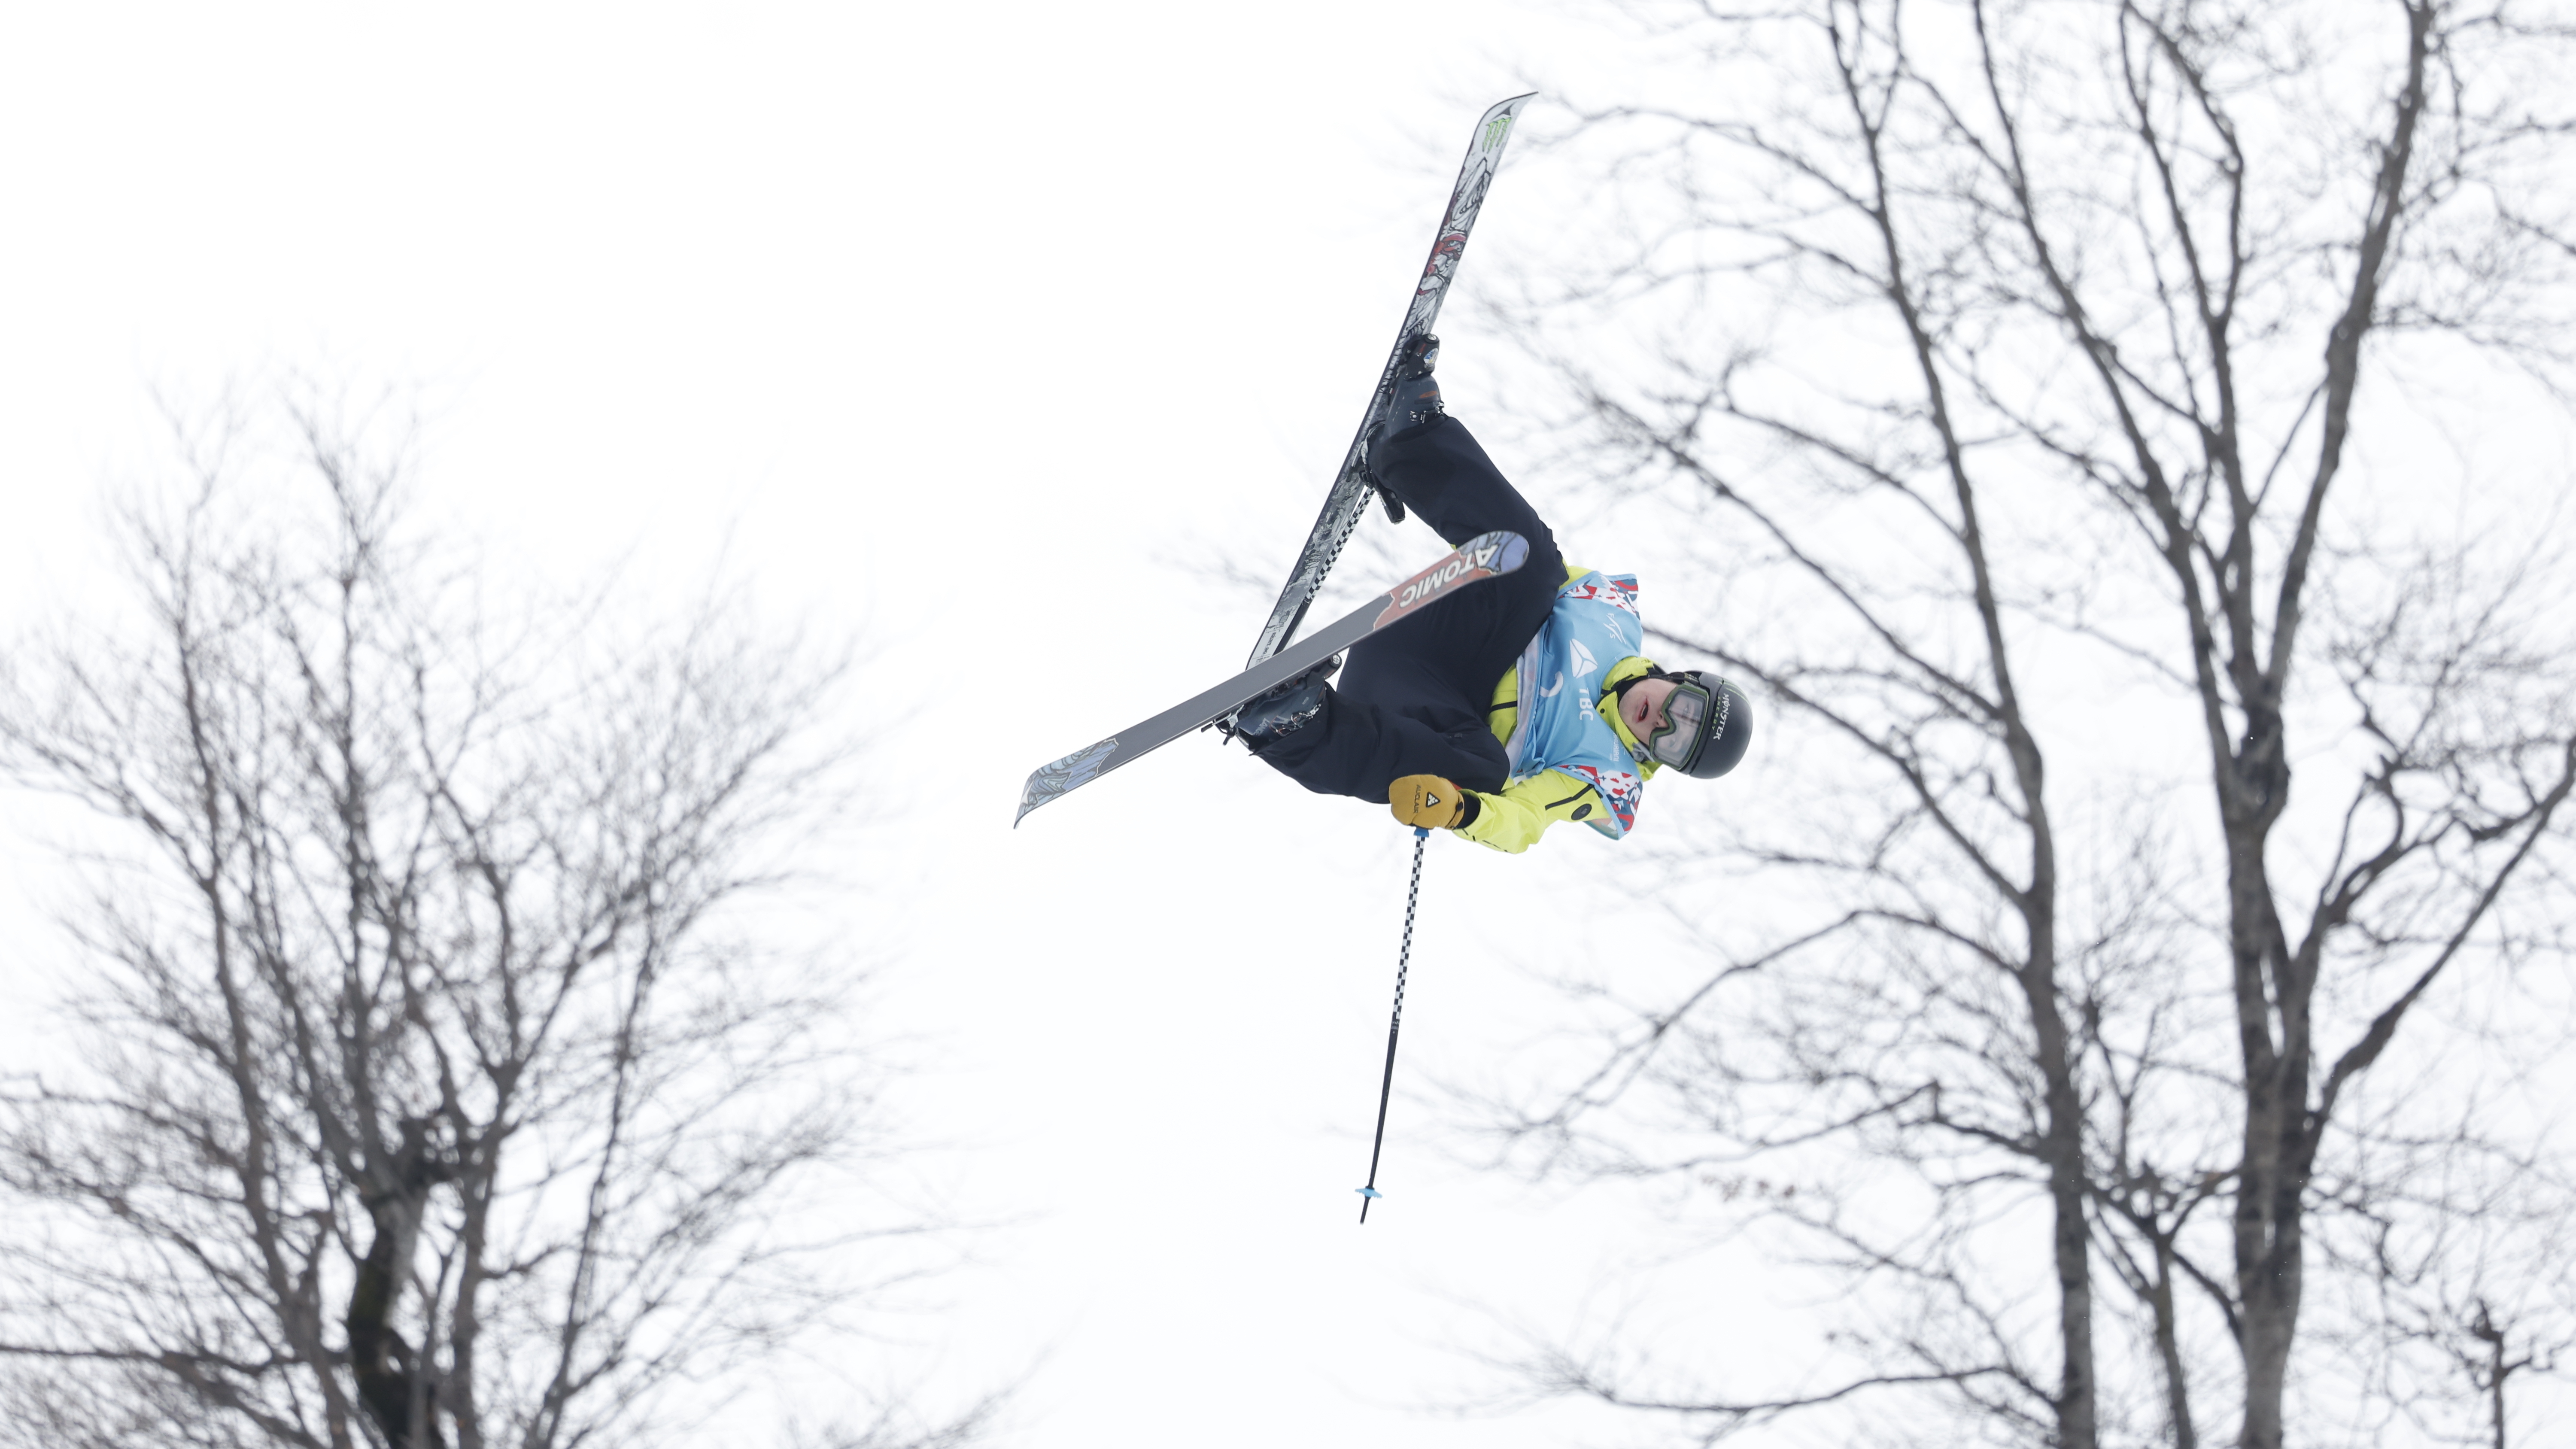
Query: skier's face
x,y
1643,707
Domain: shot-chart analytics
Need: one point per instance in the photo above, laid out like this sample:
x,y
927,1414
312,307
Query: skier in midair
x,y
1511,706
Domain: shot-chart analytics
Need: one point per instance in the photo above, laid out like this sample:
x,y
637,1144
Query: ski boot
x,y
1286,709
1416,402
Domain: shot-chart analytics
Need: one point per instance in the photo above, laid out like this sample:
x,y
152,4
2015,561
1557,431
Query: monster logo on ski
x,y
1350,491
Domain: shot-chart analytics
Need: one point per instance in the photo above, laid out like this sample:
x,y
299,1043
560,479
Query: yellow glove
x,y
1427,800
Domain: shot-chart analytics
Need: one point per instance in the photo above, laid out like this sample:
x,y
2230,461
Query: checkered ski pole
x,y
1394,1023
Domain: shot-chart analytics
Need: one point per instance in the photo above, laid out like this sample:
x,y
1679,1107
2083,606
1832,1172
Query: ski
x,y
1479,558
1350,493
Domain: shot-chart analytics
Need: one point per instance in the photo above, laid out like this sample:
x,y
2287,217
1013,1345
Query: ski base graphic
x,y
1350,492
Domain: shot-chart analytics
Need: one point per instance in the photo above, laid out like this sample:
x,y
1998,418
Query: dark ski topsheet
x,y
1349,496
1479,558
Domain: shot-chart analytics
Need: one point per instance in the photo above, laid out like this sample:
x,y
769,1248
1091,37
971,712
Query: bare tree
x,y
431,1086
2463,1302
2015,361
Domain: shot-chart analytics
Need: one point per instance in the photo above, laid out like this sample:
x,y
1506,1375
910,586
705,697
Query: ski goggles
x,y
1688,713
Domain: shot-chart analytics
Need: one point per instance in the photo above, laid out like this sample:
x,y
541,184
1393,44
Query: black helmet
x,y
1708,722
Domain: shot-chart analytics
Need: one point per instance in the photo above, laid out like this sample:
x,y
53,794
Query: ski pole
x,y
1395,1023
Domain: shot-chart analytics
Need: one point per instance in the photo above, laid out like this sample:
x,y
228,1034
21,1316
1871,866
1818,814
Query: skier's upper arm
x,y
1512,818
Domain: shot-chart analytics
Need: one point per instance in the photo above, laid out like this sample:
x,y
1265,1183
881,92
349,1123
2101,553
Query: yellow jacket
x,y
1513,818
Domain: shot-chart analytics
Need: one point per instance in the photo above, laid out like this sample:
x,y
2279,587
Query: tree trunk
x,y
2270,986
2169,1349
2068,1184
396,1383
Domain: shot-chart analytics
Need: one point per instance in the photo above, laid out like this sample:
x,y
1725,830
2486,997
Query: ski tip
x,y
1073,771
1040,789
1499,552
1496,124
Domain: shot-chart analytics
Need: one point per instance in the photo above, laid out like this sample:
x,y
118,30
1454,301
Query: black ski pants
x,y
1413,700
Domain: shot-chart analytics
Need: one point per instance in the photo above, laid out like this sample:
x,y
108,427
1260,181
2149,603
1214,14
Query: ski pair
x,y
1479,558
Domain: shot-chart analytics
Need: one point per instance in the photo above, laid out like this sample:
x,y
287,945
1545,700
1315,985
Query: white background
x,y
997,334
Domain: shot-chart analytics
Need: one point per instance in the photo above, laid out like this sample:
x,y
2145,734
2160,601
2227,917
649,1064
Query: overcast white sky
x,y
994,332
993,328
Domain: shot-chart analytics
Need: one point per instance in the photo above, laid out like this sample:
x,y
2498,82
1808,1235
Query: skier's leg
x,y
1359,749
1440,473
1394,715
1414,699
